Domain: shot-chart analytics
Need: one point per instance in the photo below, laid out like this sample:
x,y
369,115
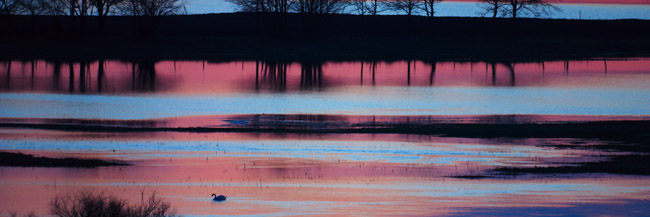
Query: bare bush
x,y
92,204
152,7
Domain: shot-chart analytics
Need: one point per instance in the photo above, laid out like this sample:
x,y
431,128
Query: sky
x,y
588,1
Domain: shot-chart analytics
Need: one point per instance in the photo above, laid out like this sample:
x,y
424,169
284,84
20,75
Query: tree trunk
x,y
100,75
72,6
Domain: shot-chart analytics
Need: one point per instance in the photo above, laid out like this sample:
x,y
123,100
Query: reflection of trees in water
x,y
511,70
8,76
80,76
408,72
56,74
100,75
143,75
71,77
83,76
311,75
271,74
373,68
432,74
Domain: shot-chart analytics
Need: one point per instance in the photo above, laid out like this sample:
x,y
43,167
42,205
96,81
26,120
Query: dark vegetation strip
x,y
23,160
305,37
626,165
598,129
472,177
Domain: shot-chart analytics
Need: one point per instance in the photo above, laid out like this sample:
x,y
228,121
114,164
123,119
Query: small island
x,y
9,159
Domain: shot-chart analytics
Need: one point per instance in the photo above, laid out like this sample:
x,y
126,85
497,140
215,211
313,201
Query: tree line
x,y
99,8
493,8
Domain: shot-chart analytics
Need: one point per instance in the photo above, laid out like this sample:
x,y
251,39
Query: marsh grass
x,y
89,203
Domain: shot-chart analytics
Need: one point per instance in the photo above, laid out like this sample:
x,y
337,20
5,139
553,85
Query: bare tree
x,y
53,7
363,7
375,6
278,6
407,6
319,6
70,7
103,7
429,8
9,7
492,7
534,8
30,7
152,7
360,7
275,6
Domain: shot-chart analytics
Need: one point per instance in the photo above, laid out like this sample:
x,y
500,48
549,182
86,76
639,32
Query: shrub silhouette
x,y
92,204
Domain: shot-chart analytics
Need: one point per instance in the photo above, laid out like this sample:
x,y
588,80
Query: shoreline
x,y
470,126
11,159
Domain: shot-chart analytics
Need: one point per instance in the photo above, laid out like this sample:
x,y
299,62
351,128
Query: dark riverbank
x,y
24,160
626,165
618,128
297,37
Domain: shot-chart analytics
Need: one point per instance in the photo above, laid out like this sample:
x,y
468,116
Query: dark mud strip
x,y
601,129
625,140
23,160
626,165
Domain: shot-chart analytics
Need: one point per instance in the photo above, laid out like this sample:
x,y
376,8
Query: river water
x,y
280,174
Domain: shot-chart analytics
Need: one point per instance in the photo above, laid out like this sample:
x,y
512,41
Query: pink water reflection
x,y
302,187
266,174
231,77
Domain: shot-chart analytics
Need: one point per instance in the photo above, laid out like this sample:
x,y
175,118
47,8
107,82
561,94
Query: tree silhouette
x,y
274,6
360,7
103,7
492,7
429,8
152,7
9,7
319,6
54,7
374,6
534,8
407,6
30,7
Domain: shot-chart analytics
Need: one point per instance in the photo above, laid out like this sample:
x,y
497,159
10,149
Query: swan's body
x,y
218,198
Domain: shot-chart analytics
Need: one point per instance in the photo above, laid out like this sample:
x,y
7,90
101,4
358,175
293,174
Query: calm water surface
x,y
280,174
266,174
149,90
